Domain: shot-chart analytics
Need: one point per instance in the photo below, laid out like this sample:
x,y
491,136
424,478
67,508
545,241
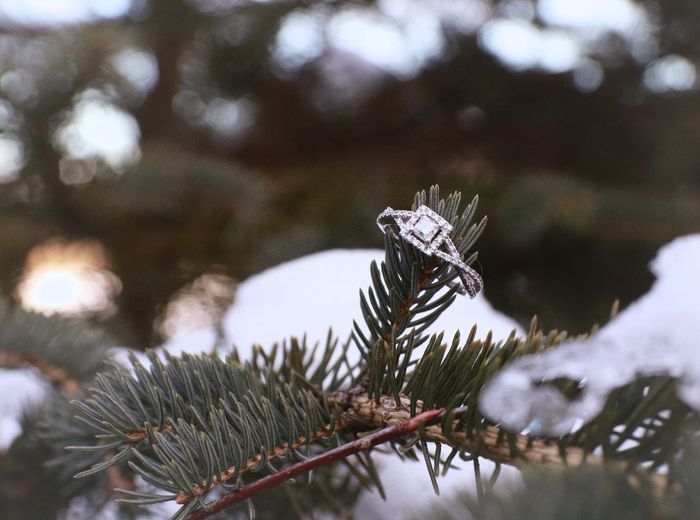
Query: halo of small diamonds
x,y
430,233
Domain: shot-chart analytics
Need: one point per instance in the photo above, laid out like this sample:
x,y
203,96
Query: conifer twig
x,y
57,375
366,442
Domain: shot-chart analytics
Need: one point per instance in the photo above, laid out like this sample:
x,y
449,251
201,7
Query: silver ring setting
x,y
430,233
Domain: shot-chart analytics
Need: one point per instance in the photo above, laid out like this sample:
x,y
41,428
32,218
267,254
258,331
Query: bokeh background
x,y
155,152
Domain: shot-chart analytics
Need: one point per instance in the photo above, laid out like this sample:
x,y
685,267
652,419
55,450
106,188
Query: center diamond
x,y
426,228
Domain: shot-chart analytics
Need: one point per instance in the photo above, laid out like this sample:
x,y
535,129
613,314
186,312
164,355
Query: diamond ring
x,y
430,233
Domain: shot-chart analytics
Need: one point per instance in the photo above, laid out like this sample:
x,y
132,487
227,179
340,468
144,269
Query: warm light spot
x,y
201,304
67,278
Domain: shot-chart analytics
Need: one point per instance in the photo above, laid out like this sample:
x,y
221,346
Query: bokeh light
x,y
97,128
68,278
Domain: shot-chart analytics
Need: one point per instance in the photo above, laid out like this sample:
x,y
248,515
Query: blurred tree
x,y
176,130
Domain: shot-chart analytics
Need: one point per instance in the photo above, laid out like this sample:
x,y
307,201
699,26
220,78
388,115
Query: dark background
x,y
246,160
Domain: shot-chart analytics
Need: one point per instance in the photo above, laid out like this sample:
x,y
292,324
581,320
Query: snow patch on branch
x,y
659,334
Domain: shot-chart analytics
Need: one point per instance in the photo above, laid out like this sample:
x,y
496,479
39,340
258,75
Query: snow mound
x,y
659,334
309,295
19,388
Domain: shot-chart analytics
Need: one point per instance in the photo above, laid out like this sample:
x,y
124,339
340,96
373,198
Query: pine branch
x,y
193,424
189,424
367,442
410,290
490,442
590,492
437,425
452,378
66,351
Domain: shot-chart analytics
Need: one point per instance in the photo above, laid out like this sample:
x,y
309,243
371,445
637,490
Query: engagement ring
x,y
430,233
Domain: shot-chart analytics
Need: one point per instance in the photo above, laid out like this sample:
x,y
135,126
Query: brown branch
x,y
389,334
425,277
58,376
364,443
203,487
487,442
394,420
279,451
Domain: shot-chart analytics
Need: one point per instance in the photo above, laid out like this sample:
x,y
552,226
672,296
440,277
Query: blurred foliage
x,y
581,494
584,493
248,152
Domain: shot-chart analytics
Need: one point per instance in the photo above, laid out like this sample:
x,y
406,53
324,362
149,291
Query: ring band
x,y
430,233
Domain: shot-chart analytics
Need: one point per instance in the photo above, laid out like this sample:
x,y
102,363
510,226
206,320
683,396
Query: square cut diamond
x,y
426,228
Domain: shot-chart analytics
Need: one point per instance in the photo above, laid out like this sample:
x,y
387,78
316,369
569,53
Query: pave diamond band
x,y
430,233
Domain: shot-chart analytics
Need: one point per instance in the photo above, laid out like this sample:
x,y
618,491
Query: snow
x,y
19,388
656,335
408,488
321,291
196,341
81,508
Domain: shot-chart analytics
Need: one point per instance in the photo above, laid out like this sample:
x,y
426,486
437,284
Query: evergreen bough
x,y
209,432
